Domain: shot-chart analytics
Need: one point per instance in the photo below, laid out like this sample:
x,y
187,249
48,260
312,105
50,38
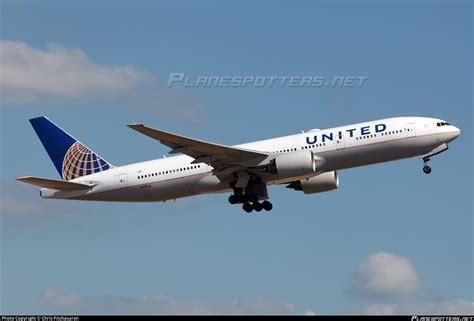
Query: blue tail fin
x,y
71,158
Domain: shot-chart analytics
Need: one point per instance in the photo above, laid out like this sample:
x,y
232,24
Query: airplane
x,y
308,162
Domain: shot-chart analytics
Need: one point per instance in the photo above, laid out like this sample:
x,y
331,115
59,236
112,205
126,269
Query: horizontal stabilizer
x,y
54,184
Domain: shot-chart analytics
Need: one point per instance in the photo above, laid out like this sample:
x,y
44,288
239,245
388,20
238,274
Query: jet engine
x,y
322,183
296,164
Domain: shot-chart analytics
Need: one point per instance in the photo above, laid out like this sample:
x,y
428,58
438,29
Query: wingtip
x,y
135,125
24,179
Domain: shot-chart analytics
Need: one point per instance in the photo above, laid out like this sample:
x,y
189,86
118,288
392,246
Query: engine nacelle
x,y
296,164
322,183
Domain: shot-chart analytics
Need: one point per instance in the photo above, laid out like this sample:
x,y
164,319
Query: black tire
x,y
267,206
247,207
233,199
426,169
257,206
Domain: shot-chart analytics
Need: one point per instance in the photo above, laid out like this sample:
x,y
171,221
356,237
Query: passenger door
x,y
123,181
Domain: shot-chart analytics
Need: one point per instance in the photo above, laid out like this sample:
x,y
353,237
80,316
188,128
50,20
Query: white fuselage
x,y
341,147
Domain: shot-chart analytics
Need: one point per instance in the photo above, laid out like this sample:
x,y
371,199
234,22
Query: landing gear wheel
x,y
257,206
426,169
233,199
267,206
247,207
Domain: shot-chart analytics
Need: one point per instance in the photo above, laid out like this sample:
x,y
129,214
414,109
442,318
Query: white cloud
x,y
449,307
386,275
158,304
445,307
380,309
29,74
58,299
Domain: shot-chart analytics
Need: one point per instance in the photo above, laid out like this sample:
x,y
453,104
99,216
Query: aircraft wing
x,y
54,184
203,152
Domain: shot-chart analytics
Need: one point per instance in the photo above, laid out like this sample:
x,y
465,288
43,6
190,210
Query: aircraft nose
x,y
454,133
457,132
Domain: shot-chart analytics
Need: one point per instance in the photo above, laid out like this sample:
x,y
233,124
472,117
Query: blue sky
x,y
312,252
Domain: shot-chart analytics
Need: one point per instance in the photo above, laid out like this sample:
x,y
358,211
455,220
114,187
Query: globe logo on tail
x,y
81,161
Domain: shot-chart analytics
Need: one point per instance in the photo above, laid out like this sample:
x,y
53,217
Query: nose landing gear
x,y
426,168
427,157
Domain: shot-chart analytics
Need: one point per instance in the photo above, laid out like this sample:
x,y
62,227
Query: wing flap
x,y
54,184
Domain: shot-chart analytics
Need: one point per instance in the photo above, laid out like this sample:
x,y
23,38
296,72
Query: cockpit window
x,y
442,124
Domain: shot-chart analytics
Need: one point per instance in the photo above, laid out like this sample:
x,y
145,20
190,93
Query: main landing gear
x,y
250,203
257,206
251,195
427,157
